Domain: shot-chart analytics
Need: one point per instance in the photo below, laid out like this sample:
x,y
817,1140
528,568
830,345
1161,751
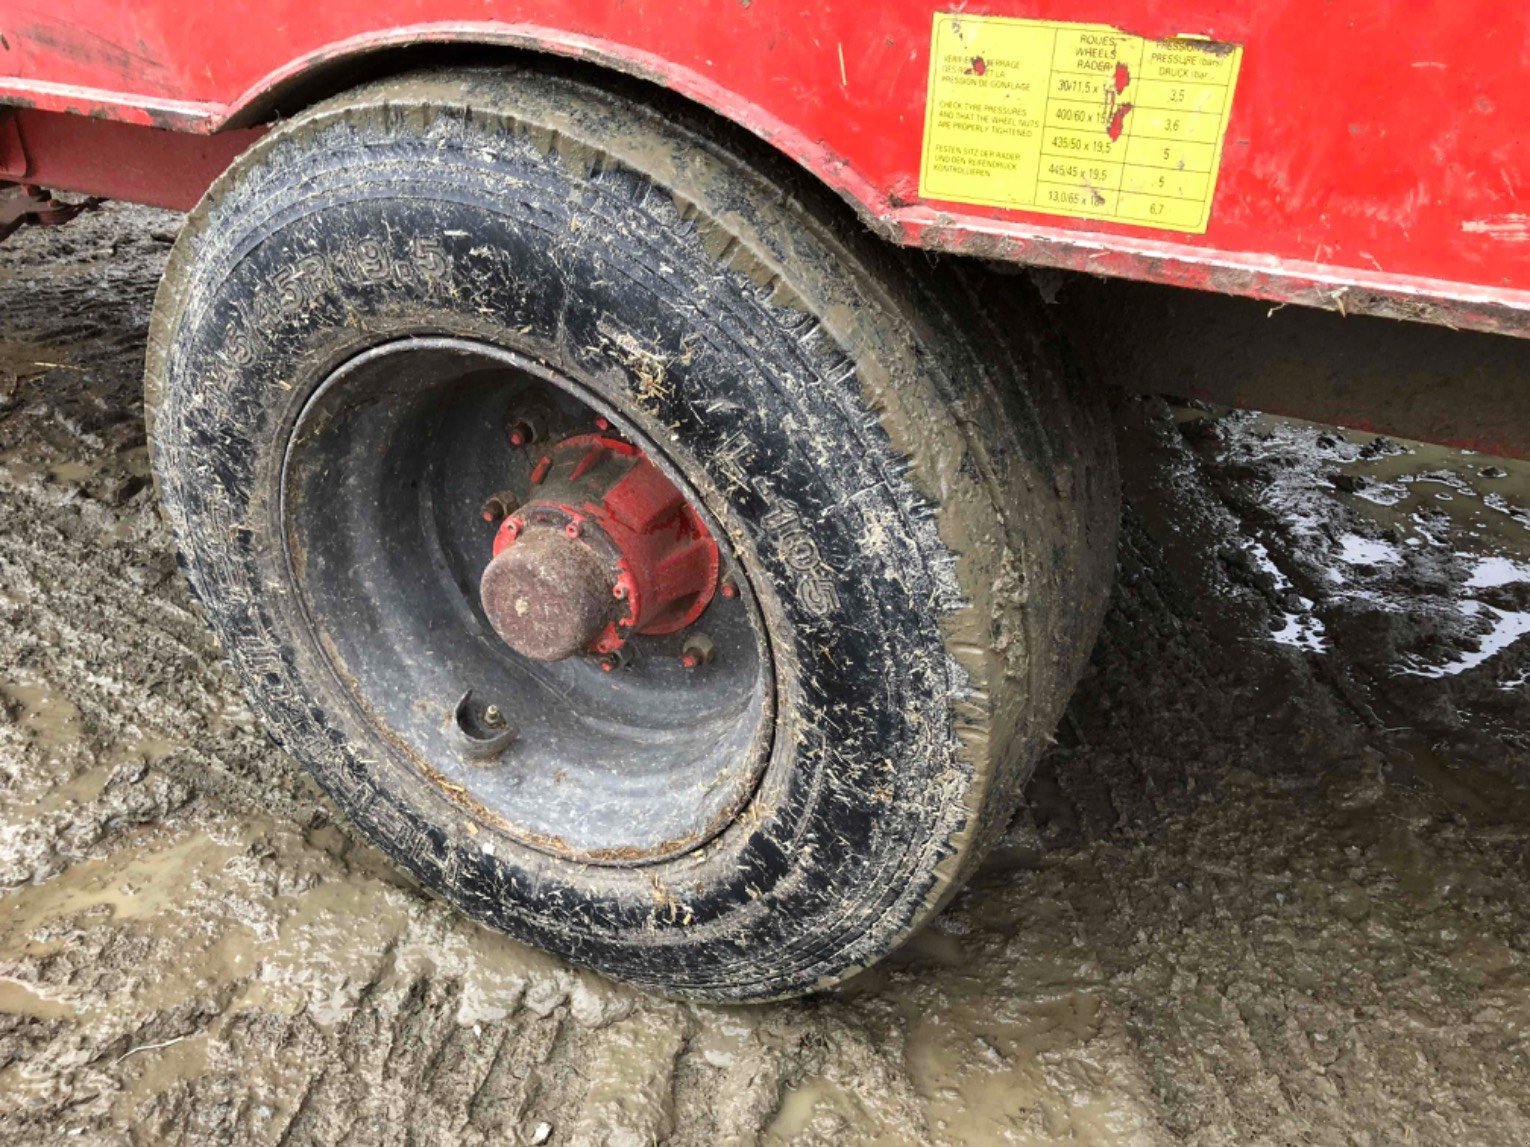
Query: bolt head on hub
x,y
697,651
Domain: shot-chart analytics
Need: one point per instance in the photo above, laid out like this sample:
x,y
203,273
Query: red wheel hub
x,y
607,548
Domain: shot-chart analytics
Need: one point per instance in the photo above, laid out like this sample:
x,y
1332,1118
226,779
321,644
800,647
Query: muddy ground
x,y
1271,887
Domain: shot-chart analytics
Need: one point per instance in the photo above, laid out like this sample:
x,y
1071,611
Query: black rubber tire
x,y
925,496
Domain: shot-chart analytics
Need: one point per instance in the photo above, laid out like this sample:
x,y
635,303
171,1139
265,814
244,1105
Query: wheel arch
x,y
659,82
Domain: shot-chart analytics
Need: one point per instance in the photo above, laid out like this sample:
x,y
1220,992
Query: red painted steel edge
x,y
1375,154
115,160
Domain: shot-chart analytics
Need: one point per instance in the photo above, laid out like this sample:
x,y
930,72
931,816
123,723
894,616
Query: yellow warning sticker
x,y
1076,119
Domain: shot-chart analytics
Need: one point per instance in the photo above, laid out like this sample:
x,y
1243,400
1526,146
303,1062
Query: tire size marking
x,y
812,584
301,285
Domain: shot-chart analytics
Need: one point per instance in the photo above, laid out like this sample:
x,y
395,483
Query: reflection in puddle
x,y
1433,536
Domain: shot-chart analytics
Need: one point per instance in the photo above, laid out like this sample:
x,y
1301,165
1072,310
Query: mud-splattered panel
x,y
1076,119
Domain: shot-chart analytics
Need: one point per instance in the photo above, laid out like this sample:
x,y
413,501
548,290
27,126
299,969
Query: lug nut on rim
x,y
697,651
528,422
618,658
499,506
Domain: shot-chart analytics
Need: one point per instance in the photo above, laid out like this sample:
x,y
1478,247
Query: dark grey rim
x,y
384,482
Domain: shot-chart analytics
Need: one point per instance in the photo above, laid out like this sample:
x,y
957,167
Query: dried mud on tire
x,y
1263,893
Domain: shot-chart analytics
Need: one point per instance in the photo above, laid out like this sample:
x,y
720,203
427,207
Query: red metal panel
x,y
114,160
1375,157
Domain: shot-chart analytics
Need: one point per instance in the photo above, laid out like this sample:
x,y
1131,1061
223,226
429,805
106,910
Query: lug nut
x,y
493,718
528,422
619,591
729,588
602,423
573,529
618,658
697,651
499,506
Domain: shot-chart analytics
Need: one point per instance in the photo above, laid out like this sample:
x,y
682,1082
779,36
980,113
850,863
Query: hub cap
x,y
608,549
548,596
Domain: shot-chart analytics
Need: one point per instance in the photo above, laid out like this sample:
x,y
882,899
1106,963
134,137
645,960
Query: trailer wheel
x,y
658,568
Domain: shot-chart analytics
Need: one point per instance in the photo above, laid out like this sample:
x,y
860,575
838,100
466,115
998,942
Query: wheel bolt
x,y
602,423
697,651
499,507
619,591
618,658
528,421
493,718
729,588
573,529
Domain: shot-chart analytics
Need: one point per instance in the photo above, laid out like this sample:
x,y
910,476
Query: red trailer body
x,y
1373,147
1367,157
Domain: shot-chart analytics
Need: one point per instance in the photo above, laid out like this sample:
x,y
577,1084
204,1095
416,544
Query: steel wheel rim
x,y
384,483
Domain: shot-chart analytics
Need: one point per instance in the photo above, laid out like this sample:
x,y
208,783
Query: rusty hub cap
x,y
548,596
607,549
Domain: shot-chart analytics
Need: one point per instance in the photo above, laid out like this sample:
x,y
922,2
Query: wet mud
x,y
1270,886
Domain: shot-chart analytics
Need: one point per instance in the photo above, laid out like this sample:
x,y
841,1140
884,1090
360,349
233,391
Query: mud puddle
x,y
1271,886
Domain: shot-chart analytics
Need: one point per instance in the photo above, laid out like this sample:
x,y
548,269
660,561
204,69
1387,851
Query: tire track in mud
x,y
1236,912
1309,959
